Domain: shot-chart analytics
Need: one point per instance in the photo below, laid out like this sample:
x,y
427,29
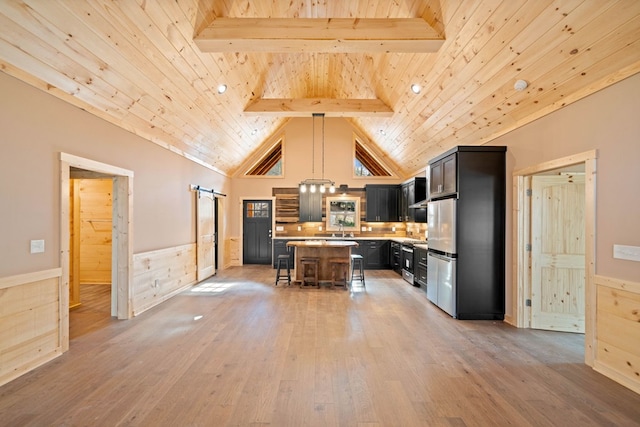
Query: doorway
x,y
256,231
90,266
557,250
122,244
554,207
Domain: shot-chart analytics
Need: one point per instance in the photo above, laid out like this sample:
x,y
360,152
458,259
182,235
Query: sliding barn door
x,y
206,237
558,253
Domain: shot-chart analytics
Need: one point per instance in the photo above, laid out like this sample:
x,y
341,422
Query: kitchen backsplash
x,y
373,229
417,230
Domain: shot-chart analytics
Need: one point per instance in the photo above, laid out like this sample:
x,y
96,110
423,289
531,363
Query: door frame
x,y
521,230
273,224
122,241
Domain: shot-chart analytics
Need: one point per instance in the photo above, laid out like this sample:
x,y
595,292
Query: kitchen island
x,y
323,250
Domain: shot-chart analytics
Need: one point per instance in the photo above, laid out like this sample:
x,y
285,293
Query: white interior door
x,y
558,253
205,234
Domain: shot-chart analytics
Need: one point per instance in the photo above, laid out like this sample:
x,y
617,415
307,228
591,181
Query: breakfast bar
x,y
324,251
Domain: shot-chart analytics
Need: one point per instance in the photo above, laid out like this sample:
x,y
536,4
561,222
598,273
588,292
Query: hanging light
x,y
317,185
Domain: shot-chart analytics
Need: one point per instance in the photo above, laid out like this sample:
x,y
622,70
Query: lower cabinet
x,y
376,254
420,266
394,257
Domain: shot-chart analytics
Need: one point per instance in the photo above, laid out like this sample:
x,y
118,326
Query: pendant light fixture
x,y
313,184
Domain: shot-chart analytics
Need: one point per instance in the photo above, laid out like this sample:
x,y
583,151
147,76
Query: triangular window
x,y
364,164
270,164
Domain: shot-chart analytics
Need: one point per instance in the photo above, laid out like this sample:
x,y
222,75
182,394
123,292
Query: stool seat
x,y
310,267
339,272
357,261
283,261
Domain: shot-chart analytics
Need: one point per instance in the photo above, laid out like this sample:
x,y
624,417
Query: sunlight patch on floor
x,y
210,288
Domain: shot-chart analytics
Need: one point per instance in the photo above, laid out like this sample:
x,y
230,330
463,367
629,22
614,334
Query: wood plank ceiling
x,y
135,64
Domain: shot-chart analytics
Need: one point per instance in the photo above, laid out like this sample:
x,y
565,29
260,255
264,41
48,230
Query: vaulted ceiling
x,y
153,66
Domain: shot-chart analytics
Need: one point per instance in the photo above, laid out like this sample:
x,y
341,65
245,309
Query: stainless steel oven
x,y
407,262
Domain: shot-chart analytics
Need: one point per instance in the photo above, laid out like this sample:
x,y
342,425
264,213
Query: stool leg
x,y
353,268
278,273
288,274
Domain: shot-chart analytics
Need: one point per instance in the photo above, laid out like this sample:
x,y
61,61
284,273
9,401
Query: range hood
x,y
422,204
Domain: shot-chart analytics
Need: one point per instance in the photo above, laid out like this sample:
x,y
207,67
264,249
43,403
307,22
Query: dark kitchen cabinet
x,y
443,177
420,266
413,191
474,284
280,248
375,253
310,206
382,203
394,257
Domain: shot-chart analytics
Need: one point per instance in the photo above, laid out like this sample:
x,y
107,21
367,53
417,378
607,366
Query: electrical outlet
x,y
320,228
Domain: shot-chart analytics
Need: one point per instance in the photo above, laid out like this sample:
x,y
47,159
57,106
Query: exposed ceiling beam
x,y
328,35
304,107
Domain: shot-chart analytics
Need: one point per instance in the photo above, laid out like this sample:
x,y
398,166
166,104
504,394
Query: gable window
x,y
364,164
270,164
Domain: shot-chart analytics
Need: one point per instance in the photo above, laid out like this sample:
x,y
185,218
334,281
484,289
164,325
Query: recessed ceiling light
x,y
382,132
253,132
520,85
416,88
222,88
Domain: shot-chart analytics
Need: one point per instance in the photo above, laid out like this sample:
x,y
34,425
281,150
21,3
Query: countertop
x,y
323,243
348,238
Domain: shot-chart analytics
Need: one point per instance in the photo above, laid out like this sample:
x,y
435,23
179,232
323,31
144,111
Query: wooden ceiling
x,y
135,63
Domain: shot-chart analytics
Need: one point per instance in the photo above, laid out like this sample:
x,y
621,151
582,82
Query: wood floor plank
x,y
237,351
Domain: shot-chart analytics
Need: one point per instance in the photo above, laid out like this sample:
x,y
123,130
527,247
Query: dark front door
x,y
256,239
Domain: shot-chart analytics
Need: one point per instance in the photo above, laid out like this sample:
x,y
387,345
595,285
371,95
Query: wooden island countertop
x,y
323,250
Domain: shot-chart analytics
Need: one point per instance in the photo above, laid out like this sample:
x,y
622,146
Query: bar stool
x,y
357,259
339,272
283,261
310,266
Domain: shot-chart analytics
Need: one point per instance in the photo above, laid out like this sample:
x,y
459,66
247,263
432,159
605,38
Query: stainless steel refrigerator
x,y
442,254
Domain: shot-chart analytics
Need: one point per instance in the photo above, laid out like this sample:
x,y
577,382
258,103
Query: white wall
x,y
36,127
607,121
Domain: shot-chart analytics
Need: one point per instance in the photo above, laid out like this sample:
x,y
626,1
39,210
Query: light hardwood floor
x,y
237,351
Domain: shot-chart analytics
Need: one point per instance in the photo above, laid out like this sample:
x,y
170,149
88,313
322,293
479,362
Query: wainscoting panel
x,y
159,275
30,322
618,331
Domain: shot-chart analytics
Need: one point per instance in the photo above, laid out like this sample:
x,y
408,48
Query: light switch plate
x,y
279,228
631,253
37,246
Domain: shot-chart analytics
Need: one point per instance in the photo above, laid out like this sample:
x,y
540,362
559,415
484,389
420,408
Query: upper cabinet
x,y
310,207
382,203
413,191
443,177
464,169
